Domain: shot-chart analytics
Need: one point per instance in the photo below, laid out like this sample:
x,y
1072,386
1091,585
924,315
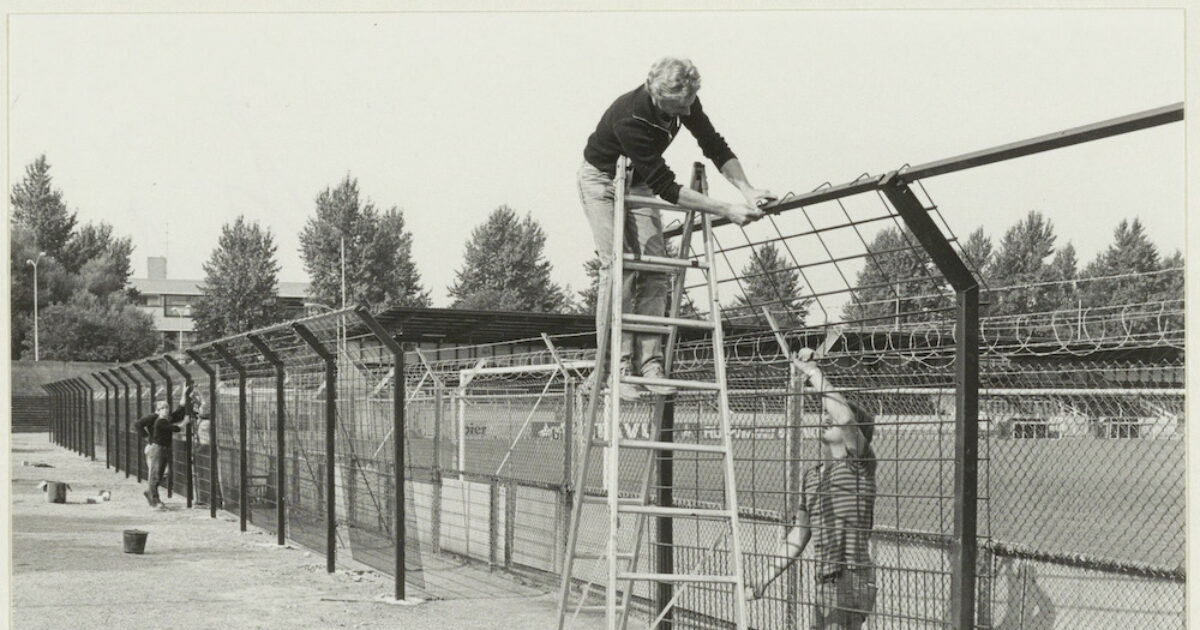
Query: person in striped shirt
x,y
836,513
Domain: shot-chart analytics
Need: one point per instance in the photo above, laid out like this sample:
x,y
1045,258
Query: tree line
x,y
88,308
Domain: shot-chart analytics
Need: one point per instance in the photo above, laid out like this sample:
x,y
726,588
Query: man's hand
x,y
742,214
758,197
805,360
752,592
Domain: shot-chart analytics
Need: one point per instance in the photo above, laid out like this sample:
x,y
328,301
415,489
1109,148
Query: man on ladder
x,y
641,125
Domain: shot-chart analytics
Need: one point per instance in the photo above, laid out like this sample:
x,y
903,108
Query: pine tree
x,y
1023,260
505,268
379,270
240,289
39,206
768,280
898,283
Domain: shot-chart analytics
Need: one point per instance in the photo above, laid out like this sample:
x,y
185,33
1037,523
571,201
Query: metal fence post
x,y
399,440
80,417
187,430
330,424
566,495
966,380
108,437
171,446
111,418
280,443
89,409
791,501
435,501
128,433
212,430
243,457
153,394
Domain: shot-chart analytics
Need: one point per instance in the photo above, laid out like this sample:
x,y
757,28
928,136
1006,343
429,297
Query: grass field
x,y
1060,496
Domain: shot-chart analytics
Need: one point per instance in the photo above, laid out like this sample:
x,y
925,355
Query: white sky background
x,y
168,126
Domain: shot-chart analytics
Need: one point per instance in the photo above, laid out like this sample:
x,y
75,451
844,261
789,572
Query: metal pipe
x,y
243,460
330,421
280,444
212,430
398,440
171,446
187,430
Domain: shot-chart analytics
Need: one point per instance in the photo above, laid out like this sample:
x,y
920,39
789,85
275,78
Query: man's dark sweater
x,y
160,430
634,127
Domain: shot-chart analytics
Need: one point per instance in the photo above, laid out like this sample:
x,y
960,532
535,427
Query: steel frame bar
x,y
398,434
243,460
964,547
166,374
330,425
280,442
213,490
187,430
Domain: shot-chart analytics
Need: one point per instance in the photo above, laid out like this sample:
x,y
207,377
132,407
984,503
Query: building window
x,y
1124,428
1032,428
178,305
149,300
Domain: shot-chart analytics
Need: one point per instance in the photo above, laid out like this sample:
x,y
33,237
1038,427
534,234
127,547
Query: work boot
x,y
629,391
149,497
654,369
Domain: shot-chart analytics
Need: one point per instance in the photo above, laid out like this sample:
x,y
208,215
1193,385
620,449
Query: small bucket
x,y
56,492
135,541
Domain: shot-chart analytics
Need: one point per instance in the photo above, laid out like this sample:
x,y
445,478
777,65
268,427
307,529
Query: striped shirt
x,y
839,497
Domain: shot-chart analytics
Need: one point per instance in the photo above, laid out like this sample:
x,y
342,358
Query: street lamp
x,y
178,311
34,263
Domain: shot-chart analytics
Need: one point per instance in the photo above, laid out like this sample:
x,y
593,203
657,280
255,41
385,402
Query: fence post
x,y
243,458
89,434
187,430
435,500
510,521
966,381
81,417
794,405
108,437
89,410
399,440
112,417
128,434
212,430
153,394
330,421
567,493
493,521
171,446
280,443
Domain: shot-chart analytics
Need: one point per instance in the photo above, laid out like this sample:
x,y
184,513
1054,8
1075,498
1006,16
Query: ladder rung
x,y
646,328
623,555
665,264
598,443
591,608
634,318
671,382
678,577
657,510
672,446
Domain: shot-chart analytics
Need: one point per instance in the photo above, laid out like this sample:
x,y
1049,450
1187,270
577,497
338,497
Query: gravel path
x,y
70,570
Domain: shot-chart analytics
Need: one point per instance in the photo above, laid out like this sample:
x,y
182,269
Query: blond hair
x,y
673,78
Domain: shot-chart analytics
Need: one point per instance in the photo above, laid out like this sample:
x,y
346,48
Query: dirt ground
x,y
69,569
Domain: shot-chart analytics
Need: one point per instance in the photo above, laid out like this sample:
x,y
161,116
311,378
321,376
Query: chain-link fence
x,y
1077,453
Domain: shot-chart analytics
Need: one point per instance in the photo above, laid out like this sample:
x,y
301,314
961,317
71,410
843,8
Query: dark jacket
x,y
632,126
159,430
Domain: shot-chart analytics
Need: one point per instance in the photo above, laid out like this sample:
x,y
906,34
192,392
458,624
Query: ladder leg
x,y
612,458
581,474
735,543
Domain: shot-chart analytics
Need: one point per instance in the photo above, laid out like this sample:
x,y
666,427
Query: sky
x,y
168,126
